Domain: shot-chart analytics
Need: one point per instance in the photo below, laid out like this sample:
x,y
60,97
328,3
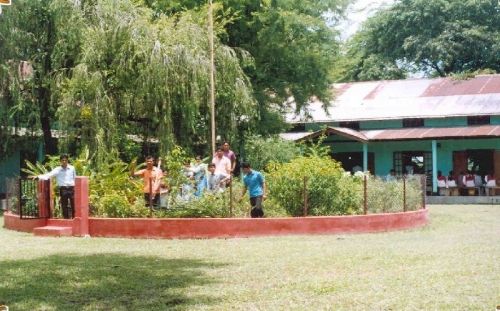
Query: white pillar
x,y
434,166
365,157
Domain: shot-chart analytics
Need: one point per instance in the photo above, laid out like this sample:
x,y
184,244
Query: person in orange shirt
x,y
151,176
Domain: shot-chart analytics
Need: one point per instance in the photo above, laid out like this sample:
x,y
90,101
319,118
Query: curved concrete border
x,y
234,227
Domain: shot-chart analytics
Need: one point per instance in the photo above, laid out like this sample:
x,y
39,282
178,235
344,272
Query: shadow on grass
x,y
102,282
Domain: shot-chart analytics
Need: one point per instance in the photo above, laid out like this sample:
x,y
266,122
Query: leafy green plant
x,y
328,190
387,196
115,205
261,151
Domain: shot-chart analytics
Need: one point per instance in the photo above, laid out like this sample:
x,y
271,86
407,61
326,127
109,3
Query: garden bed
x,y
239,227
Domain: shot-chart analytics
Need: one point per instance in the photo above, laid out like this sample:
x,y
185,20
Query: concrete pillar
x,y
81,221
43,189
365,157
434,166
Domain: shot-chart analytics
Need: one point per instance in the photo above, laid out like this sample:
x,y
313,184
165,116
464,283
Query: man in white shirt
x,y
65,177
222,163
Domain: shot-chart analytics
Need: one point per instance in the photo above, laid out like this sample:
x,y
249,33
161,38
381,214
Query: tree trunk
x,y
44,92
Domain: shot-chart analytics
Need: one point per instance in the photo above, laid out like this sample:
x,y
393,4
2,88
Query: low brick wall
x,y
247,227
185,228
13,222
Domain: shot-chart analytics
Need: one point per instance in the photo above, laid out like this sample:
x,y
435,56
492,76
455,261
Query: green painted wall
x,y
445,122
9,167
383,124
388,124
384,150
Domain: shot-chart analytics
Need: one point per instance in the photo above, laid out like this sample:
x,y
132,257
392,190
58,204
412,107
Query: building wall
x,y
382,124
446,122
495,120
10,166
384,150
391,124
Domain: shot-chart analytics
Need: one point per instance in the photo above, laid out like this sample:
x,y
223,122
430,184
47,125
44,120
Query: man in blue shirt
x,y
256,185
65,177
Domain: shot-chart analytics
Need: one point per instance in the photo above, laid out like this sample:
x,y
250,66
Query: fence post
x,y
404,193
423,180
305,196
43,199
231,197
150,196
20,197
365,196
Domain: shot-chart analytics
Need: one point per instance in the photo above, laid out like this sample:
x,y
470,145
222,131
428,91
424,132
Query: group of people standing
x,y
203,178
210,178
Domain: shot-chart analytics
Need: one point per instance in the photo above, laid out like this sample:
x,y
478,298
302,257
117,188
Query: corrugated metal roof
x,y
420,98
342,131
484,131
434,132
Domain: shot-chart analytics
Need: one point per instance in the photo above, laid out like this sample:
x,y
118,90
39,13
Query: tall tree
x,y
437,37
149,77
32,34
291,43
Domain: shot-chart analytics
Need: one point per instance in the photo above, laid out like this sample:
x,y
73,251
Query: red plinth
x,y
81,221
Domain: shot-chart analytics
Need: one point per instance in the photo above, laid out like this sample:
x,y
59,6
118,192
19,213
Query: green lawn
x,y
452,264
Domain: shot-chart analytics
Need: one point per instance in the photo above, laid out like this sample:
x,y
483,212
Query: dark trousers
x,y
155,200
256,203
67,195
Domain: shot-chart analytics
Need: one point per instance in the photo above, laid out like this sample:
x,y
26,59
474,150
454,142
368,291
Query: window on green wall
x,y
478,120
413,122
480,161
412,162
298,127
353,125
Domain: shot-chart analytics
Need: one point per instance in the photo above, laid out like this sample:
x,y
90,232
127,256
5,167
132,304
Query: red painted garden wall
x,y
82,225
246,227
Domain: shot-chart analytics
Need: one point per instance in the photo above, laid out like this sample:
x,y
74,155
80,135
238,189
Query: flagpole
x,y
212,69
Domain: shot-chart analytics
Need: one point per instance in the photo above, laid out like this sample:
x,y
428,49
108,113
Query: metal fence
x,y
23,198
399,194
372,195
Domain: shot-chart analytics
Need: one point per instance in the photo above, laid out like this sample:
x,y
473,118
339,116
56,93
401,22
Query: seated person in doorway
x,y
441,180
391,176
356,168
490,180
451,180
468,180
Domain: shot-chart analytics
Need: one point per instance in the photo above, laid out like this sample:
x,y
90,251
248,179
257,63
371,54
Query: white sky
x,y
359,12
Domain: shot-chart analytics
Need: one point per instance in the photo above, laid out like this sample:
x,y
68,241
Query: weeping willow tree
x,y
39,43
149,78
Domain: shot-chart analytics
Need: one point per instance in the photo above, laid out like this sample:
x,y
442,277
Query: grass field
x,y
451,264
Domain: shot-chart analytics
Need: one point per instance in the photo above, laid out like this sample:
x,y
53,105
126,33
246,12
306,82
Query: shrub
x,y
115,205
387,197
218,205
329,190
259,151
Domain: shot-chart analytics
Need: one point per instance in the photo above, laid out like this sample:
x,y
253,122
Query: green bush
x,y
387,197
218,205
329,190
115,205
260,151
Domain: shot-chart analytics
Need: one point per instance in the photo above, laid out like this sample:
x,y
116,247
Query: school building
x,y
415,126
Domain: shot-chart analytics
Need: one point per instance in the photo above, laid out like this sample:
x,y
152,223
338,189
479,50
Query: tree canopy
x,y
104,70
435,37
